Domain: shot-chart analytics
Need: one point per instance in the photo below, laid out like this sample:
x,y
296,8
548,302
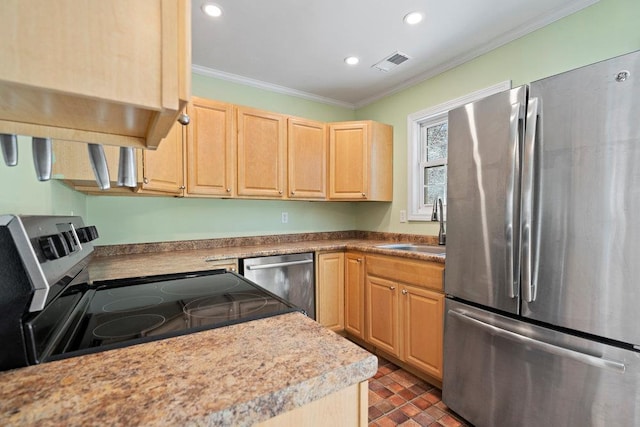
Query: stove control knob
x,y
87,234
54,246
70,240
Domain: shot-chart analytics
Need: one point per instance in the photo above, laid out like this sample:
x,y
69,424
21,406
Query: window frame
x,y
415,166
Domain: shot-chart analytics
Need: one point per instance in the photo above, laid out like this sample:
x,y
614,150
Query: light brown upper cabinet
x,y
115,72
211,139
261,153
71,165
159,172
360,161
162,169
307,159
234,151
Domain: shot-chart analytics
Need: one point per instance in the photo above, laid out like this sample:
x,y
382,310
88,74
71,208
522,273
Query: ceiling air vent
x,y
391,61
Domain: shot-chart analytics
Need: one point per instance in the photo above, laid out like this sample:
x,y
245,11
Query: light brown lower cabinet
x,y
354,294
423,316
382,315
330,290
346,407
406,320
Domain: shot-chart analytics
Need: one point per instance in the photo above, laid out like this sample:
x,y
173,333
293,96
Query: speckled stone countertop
x,y
115,262
236,375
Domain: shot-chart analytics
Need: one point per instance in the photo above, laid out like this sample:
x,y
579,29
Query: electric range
x,y
50,310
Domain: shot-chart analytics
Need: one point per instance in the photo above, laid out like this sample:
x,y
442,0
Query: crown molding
x,y
234,78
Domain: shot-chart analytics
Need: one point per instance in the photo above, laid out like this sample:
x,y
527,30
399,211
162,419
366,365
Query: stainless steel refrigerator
x,y
542,323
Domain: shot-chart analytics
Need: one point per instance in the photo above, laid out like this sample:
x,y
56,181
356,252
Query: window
x,y
433,160
427,153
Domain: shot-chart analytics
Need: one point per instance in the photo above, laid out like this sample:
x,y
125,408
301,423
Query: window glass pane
x,y
435,184
436,142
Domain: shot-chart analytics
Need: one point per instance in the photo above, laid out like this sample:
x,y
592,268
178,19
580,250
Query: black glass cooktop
x,y
129,311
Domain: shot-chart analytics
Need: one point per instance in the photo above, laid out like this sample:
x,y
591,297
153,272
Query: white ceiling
x,y
298,46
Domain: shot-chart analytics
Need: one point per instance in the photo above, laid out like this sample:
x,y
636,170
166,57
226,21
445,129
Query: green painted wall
x,y
22,193
604,30
152,219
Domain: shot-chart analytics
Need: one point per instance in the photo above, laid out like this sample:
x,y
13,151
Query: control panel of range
x,y
67,241
51,251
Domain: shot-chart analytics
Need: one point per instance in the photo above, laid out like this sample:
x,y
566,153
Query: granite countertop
x,y
184,259
236,375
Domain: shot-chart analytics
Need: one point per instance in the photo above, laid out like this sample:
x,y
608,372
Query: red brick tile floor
x,y
398,398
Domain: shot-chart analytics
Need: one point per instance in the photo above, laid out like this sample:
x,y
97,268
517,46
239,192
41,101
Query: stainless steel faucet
x,y
442,236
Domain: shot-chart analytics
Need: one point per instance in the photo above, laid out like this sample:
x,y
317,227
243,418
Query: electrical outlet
x,y
285,217
403,216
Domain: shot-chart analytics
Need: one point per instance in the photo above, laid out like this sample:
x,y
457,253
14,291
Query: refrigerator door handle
x,y
514,154
529,288
588,359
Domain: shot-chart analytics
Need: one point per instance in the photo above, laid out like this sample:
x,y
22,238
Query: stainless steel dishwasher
x,y
288,276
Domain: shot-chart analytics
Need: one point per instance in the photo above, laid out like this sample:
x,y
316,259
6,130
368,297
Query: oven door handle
x,y
278,264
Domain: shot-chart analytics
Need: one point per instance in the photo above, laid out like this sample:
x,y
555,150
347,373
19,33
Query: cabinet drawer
x,y
229,264
419,273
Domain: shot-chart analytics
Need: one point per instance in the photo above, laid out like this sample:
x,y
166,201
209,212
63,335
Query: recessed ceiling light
x,y
351,60
212,9
413,18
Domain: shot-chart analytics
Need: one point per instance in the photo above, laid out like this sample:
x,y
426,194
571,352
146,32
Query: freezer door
x,y
581,248
483,192
502,372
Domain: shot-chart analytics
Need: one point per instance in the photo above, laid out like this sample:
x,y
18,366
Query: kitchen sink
x,y
435,250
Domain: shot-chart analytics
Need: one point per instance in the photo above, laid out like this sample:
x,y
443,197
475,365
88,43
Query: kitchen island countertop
x,y
236,375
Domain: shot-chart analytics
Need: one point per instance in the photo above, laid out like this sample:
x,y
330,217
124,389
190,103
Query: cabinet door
x,y
261,153
423,313
163,169
113,72
382,315
330,288
354,295
348,160
307,159
210,148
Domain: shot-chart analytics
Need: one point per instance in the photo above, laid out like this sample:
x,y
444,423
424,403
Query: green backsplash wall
x,y
152,219
604,30
22,193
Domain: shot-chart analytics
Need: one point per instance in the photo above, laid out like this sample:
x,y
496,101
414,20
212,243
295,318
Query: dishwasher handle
x,y
278,264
